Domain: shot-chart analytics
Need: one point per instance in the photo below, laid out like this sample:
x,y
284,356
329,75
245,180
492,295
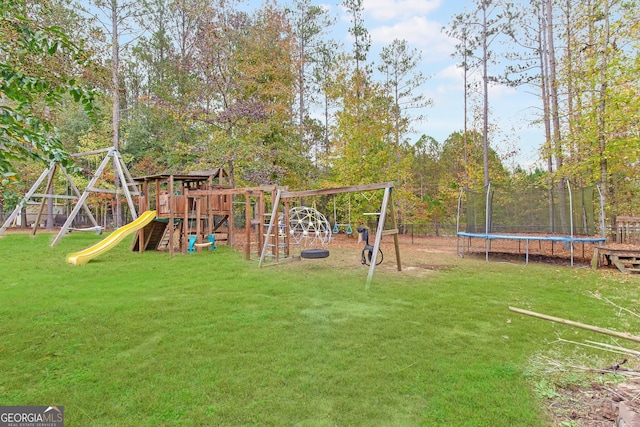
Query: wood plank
x,y
54,196
627,218
228,191
624,335
390,231
91,153
110,191
619,252
338,190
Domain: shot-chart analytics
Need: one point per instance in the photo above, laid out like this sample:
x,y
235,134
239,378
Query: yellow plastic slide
x,y
111,240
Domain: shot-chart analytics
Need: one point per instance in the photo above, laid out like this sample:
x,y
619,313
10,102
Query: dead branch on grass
x,y
624,335
599,346
619,307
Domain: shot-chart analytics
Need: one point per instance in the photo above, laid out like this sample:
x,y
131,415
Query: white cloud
x,y
386,10
501,91
420,32
451,72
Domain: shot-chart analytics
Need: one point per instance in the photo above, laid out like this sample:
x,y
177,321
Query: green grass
x,y
209,339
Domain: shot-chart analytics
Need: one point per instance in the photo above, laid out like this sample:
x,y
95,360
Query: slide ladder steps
x,y
163,236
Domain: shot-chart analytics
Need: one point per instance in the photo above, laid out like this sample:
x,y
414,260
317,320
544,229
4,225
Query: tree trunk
x,y
466,119
546,115
115,89
555,117
485,107
602,120
574,152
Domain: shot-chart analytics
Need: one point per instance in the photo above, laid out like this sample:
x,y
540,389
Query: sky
x,y
420,23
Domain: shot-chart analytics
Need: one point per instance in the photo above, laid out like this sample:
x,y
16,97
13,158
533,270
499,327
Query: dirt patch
x,y
418,257
597,405
557,253
585,407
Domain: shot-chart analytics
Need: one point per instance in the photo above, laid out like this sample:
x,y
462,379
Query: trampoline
x,y
556,215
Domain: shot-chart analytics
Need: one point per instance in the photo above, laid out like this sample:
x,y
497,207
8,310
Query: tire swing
x,y
315,253
308,226
367,251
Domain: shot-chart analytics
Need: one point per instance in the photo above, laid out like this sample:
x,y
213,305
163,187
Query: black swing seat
x,y
314,253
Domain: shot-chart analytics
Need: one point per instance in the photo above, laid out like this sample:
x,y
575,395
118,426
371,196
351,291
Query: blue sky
x,y
420,22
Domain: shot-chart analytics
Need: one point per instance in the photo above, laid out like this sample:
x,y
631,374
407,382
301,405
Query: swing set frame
x,y
284,197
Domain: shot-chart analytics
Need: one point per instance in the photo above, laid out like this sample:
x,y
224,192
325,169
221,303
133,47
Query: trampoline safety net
x,y
560,210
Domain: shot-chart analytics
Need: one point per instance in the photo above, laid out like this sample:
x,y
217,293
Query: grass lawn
x,y
211,340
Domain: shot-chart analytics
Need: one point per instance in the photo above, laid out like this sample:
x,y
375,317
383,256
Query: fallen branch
x,y
618,366
619,307
617,348
624,335
597,346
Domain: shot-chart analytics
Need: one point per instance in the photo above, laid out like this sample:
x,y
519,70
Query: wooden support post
x,y
81,202
247,226
260,212
285,237
27,196
387,202
199,232
274,212
44,199
273,236
376,245
230,235
209,214
144,201
185,224
172,210
124,182
78,195
143,206
394,226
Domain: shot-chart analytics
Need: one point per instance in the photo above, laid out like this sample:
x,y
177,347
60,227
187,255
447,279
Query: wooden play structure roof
x,y
193,176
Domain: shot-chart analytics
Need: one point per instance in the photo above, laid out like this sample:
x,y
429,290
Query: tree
x,y
118,18
29,92
159,85
480,30
603,72
322,77
244,66
426,155
402,81
310,24
361,42
361,146
467,44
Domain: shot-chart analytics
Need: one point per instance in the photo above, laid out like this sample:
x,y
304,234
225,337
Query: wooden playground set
x,y
192,212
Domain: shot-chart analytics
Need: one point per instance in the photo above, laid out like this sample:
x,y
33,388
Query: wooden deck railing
x,y
628,230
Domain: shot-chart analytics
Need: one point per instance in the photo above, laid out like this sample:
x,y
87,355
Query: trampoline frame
x,y
488,237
